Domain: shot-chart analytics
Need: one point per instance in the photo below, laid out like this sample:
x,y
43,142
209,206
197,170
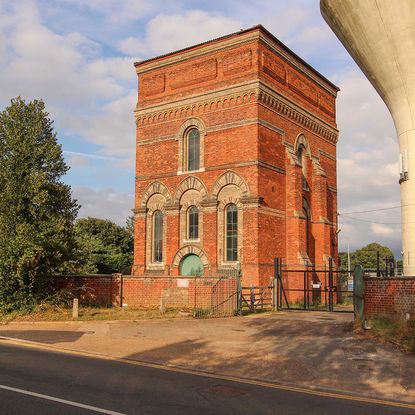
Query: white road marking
x,y
63,401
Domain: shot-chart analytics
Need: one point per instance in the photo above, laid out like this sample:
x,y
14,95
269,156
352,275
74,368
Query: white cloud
x,y
112,126
117,12
87,95
367,165
167,33
75,160
131,46
379,229
104,203
314,34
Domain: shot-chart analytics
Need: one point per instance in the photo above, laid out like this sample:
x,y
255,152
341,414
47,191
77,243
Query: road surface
x,y
42,382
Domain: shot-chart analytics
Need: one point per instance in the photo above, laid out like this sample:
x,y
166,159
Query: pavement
x,y
310,350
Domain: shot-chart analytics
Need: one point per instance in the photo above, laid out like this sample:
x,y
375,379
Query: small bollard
x,y
75,308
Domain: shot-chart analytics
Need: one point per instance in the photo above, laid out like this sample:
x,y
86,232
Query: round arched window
x,y
193,149
158,236
231,232
193,223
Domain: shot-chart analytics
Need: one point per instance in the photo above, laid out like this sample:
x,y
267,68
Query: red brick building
x,y
236,159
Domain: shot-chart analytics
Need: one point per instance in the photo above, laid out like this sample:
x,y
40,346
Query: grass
x,y
46,312
394,330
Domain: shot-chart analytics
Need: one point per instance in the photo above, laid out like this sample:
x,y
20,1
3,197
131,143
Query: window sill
x,y
155,266
179,172
229,263
191,241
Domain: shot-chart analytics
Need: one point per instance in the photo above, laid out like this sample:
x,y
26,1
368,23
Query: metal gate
x,y
218,296
310,288
257,298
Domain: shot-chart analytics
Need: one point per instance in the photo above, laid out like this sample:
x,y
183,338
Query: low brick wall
x,y
94,290
149,292
389,295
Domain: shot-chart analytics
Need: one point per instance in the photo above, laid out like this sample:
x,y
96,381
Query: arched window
x,y
306,212
193,149
302,158
231,220
157,236
193,222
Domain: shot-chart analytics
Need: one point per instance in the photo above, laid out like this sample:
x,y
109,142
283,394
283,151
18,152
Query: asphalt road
x,y
42,382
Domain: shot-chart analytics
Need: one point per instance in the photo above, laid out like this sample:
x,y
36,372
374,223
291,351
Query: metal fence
x,y
310,288
202,296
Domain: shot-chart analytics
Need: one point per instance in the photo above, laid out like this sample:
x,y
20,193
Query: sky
x,y
78,55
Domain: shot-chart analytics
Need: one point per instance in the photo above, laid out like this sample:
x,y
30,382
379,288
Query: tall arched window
x,y
193,149
301,155
231,213
306,212
193,223
157,236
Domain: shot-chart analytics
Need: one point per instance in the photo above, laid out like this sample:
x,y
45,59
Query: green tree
x,y
37,211
110,246
129,225
366,256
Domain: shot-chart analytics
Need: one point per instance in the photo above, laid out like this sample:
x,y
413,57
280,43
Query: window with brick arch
x,y
306,212
193,149
193,222
302,158
231,234
158,236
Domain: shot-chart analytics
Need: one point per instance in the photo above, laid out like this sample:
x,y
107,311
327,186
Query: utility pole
x,y
348,259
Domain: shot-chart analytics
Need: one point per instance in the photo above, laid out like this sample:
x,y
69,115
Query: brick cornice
x,y
251,92
285,107
188,103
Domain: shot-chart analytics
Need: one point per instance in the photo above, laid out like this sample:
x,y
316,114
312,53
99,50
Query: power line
x,y
378,210
372,210
370,221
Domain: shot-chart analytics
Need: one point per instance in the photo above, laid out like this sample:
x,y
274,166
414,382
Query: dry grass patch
x,y
46,312
394,330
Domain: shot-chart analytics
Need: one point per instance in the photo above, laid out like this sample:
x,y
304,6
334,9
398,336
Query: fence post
x,y
305,291
121,290
239,289
331,288
276,286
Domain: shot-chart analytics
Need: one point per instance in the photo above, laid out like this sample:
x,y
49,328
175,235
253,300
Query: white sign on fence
x,y
182,283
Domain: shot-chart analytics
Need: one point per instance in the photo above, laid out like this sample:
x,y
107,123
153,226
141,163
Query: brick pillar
x,y
139,241
321,227
172,236
209,232
249,255
296,220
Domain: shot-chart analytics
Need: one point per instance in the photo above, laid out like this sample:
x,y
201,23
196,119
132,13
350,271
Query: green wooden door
x,y
191,265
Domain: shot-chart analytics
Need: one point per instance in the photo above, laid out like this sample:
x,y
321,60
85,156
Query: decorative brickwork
x,y
255,104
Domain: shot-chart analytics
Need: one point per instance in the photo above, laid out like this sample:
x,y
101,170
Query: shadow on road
x,y
312,354
44,336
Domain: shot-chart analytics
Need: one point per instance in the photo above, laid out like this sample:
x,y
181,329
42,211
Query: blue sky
x,y
78,55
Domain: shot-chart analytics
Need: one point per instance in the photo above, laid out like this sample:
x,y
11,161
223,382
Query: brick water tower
x,y
236,160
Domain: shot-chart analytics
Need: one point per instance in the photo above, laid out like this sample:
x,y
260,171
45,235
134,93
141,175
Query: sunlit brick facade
x,y
236,159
